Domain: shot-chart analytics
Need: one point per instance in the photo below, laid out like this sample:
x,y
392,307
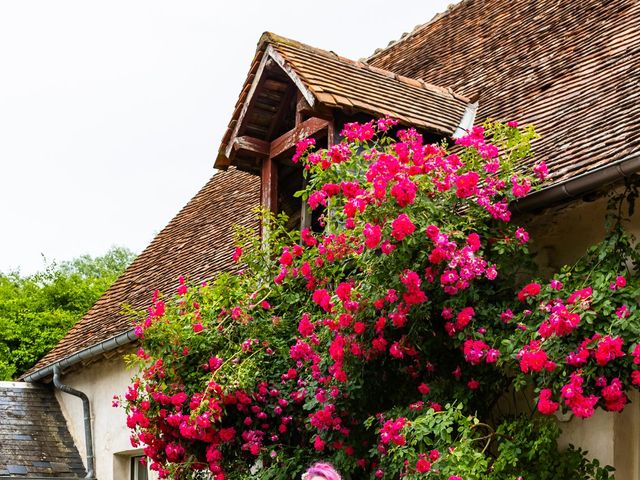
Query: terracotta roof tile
x,y
377,91
338,82
570,68
197,243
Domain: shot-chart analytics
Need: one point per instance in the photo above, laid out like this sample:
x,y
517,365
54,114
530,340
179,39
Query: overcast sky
x,y
111,112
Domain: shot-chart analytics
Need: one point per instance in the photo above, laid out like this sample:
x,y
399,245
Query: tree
x,y
392,342
37,310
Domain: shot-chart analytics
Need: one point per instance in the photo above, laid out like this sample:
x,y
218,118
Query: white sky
x,y
111,112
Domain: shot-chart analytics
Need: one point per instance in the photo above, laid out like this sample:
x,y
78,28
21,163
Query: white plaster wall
x,y
560,237
595,434
100,381
627,440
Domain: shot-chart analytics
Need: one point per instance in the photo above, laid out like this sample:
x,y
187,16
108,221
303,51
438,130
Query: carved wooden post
x,y
269,190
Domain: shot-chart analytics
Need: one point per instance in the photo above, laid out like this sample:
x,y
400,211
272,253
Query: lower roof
x,y
197,243
34,439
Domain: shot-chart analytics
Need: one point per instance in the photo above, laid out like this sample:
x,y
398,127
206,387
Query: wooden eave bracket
x,y
312,127
251,145
288,140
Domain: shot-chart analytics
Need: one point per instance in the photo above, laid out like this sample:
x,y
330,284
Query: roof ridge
x,y
273,38
405,36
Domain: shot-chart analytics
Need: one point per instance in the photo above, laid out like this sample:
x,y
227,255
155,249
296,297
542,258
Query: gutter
x,y
86,354
86,408
578,185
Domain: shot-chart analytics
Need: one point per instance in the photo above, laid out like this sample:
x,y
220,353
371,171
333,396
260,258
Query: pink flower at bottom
x,y
473,384
423,465
402,226
318,444
546,406
609,348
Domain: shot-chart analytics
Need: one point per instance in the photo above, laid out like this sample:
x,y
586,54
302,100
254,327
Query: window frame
x,y
136,468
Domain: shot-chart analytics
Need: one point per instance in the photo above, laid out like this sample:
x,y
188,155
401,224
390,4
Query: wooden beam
x,y
302,108
305,214
282,110
288,140
279,59
331,134
251,145
276,85
269,185
256,83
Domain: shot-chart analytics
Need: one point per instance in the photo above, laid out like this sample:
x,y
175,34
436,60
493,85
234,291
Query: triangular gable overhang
x,y
241,137
288,79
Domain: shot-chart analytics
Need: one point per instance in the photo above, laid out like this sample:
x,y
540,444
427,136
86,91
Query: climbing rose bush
x,y
393,342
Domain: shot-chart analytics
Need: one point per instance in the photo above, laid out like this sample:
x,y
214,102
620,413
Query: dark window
x,y
139,469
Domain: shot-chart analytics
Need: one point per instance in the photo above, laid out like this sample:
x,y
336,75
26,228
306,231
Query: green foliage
x,y
524,443
37,310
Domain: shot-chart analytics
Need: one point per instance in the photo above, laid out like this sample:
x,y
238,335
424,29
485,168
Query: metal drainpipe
x,y
88,437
